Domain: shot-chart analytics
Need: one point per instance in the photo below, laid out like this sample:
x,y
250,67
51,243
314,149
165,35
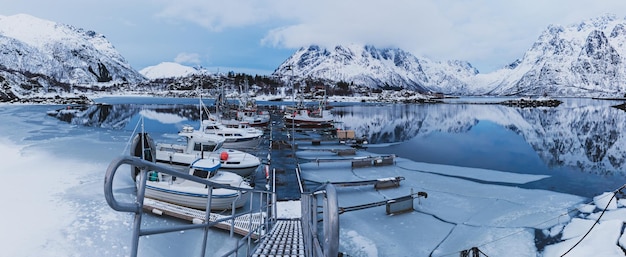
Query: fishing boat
x,y
245,114
183,192
251,117
188,193
200,145
303,116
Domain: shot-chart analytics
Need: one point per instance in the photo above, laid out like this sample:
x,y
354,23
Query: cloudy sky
x,y
256,36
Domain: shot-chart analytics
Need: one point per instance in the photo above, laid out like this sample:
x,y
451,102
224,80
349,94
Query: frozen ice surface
x,y
460,212
601,241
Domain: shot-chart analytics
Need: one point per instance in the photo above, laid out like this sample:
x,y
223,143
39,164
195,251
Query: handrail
x,y
137,206
330,222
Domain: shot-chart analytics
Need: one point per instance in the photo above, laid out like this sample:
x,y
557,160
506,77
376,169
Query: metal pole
x,y
274,208
141,190
207,216
331,222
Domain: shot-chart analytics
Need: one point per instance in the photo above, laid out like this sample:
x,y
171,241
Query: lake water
x,y
580,144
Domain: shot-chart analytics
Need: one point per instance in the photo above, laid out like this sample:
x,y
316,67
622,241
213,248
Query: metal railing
x,y
136,207
326,242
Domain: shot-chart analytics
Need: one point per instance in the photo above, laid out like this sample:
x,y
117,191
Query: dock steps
x,y
285,239
242,225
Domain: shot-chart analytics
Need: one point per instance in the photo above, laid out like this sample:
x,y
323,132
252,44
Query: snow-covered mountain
x,y
377,68
168,70
584,59
44,57
39,57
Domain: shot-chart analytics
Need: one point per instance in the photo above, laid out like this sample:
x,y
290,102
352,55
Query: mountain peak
x,y
367,65
41,56
167,70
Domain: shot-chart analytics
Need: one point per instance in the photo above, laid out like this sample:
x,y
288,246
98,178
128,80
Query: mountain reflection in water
x,y
580,144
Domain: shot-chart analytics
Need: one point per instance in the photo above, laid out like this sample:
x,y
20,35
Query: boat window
x,y
208,148
204,147
200,173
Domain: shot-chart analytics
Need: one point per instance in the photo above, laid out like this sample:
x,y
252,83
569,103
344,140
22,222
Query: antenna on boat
x,y
200,99
293,94
130,140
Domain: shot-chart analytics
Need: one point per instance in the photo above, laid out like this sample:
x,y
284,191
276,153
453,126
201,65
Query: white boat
x,y
248,117
308,118
235,138
188,193
246,113
302,116
206,146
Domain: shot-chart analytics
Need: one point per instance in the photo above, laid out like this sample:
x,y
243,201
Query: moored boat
x,y
302,116
234,138
188,193
206,146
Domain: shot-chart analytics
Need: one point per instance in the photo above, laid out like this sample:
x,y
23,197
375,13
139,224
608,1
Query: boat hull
x,y
221,199
302,119
242,143
240,163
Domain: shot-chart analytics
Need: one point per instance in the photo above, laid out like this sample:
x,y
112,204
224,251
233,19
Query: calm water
x,y
581,144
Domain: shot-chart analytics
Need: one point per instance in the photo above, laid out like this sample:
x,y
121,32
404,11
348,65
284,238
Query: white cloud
x,y
217,16
189,58
488,33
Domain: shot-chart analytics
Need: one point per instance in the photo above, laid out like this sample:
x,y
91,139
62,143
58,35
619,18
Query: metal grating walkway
x,y
285,239
242,224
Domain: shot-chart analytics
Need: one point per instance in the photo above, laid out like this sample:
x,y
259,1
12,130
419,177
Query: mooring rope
x,y
523,229
597,220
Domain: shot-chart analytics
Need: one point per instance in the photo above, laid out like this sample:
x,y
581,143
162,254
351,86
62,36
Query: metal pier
x,y
285,239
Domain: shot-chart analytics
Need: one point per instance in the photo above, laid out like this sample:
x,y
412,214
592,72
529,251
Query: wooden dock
x,y
242,225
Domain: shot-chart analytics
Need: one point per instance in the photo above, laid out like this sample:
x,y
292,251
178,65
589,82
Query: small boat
x,y
234,138
302,116
200,145
188,193
307,118
246,113
248,117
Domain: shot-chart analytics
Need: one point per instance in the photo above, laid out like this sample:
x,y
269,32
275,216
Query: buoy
x,y
224,156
